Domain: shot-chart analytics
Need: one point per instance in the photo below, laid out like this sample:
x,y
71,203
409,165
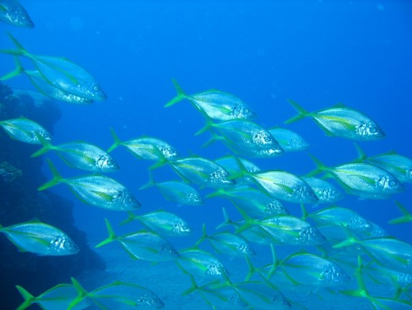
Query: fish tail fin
x,y
302,113
151,182
361,154
209,124
180,94
215,137
305,213
219,192
227,221
57,178
28,298
160,163
112,235
349,241
47,146
251,268
406,218
203,237
193,287
16,72
242,170
116,139
81,294
274,260
131,218
320,167
248,221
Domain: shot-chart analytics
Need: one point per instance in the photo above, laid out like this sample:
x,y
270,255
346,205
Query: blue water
x,y
318,53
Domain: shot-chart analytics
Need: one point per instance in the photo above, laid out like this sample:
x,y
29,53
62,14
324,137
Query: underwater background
x,y
317,53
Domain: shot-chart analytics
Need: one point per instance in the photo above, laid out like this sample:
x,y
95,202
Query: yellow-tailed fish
x,y
60,73
56,298
143,245
81,155
25,130
201,171
40,238
324,191
389,252
97,190
384,303
227,243
282,185
254,202
244,137
163,223
230,164
215,104
341,121
147,148
289,140
179,192
398,165
285,229
117,295
202,264
339,216
362,179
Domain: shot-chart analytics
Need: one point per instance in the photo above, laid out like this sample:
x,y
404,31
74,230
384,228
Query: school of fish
x,y
334,246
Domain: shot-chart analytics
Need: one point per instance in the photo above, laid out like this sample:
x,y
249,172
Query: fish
x,y
202,264
81,155
230,164
59,72
258,295
280,184
405,218
147,148
253,234
289,140
215,104
25,130
58,297
285,229
312,270
40,238
143,245
338,216
227,243
386,251
254,202
39,82
96,190
223,297
324,191
13,13
117,295
341,121
176,191
201,171
163,223
376,302
398,165
240,135
362,179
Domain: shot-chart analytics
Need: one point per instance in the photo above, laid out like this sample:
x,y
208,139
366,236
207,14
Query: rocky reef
x,y
20,201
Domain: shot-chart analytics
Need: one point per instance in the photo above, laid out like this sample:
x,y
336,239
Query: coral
x,y
8,173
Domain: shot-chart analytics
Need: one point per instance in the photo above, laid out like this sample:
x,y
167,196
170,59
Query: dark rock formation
x,y
20,202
